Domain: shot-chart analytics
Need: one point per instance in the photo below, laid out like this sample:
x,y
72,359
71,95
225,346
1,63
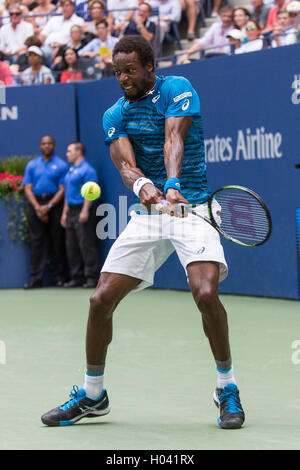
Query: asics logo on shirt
x,y
185,105
111,131
156,98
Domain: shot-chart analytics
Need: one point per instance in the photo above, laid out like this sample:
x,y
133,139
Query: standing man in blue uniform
x,y
78,218
156,141
44,190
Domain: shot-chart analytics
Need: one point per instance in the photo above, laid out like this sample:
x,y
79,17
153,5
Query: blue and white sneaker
x,y
79,406
227,399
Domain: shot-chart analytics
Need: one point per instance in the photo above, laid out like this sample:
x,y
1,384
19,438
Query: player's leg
x,y
92,400
203,280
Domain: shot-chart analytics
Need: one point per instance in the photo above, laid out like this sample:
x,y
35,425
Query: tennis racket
x,y
242,218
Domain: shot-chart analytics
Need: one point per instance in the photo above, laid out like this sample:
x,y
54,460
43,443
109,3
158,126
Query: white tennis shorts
x,y
149,240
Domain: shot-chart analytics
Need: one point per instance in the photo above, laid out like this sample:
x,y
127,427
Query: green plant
x,y
12,192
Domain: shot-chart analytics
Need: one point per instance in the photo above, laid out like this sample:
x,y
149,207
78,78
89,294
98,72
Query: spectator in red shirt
x,y
6,77
71,73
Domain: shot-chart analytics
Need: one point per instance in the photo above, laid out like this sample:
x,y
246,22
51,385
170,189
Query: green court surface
x,y
160,373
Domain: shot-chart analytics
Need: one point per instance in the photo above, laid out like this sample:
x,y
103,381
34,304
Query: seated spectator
x,y
96,8
57,30
253,33
240,17
118,20
44,7
37,73
283,32
71,71
215,38
76,42
22,61
14,34
5,13
190,8
272,13
6,77
141,25
102,46
259,12
235,38
169,10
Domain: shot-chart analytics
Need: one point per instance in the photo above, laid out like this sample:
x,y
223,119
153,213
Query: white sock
x,y
93,385
225,377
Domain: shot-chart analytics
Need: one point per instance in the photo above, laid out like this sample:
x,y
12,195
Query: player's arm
x,y
175,132
122,155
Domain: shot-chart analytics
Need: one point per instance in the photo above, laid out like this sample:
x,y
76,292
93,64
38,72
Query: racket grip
x,y
158,207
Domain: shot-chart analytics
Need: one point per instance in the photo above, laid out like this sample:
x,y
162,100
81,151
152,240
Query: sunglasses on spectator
x,y
15,13
252,28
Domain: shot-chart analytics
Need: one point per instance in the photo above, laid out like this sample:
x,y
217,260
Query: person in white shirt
x,y
36,74
118,20
254,42
283,32
14,34
169,10
215,39
57,30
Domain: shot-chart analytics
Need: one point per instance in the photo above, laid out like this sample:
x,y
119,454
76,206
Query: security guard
x,y
44,190
78,218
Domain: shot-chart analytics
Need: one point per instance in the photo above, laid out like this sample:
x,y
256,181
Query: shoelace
x,y
230,397
75,398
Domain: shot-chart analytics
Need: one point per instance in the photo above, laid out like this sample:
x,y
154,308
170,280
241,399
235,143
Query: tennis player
x,y
156,141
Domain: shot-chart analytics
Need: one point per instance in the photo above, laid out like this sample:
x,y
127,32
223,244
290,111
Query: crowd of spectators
x,y
48,41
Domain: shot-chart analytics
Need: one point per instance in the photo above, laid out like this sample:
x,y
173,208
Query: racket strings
x,y
243,217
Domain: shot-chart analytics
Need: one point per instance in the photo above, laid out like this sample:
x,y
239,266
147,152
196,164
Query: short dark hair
x,y
79,146
102,21
136,44
148,5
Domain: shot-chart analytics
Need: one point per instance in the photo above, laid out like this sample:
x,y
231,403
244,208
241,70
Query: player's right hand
x,y
150,195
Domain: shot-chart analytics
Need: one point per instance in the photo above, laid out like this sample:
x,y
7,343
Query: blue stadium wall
x,y
251,111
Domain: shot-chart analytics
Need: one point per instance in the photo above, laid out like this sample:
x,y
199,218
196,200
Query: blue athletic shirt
x,y
143,122
45,176
75,178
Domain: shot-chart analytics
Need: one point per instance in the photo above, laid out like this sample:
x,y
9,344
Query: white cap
x,y
293,7
36,50
236,34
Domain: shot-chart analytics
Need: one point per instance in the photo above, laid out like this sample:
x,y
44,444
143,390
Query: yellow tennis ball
x,y
90,191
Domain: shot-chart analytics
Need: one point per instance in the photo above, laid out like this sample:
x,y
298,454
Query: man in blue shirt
x,y
78,218
44,189
156,142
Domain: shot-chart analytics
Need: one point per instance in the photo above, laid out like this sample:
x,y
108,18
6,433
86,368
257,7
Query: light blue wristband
x,y
172,183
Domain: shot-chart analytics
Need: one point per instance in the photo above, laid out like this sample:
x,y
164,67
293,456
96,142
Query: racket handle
x,y
158,207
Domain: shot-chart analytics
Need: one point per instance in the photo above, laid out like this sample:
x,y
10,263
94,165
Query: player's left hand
x,y
174,197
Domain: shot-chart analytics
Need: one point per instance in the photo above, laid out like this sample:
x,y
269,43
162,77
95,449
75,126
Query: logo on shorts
x,y
111,131
185,105
202,249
